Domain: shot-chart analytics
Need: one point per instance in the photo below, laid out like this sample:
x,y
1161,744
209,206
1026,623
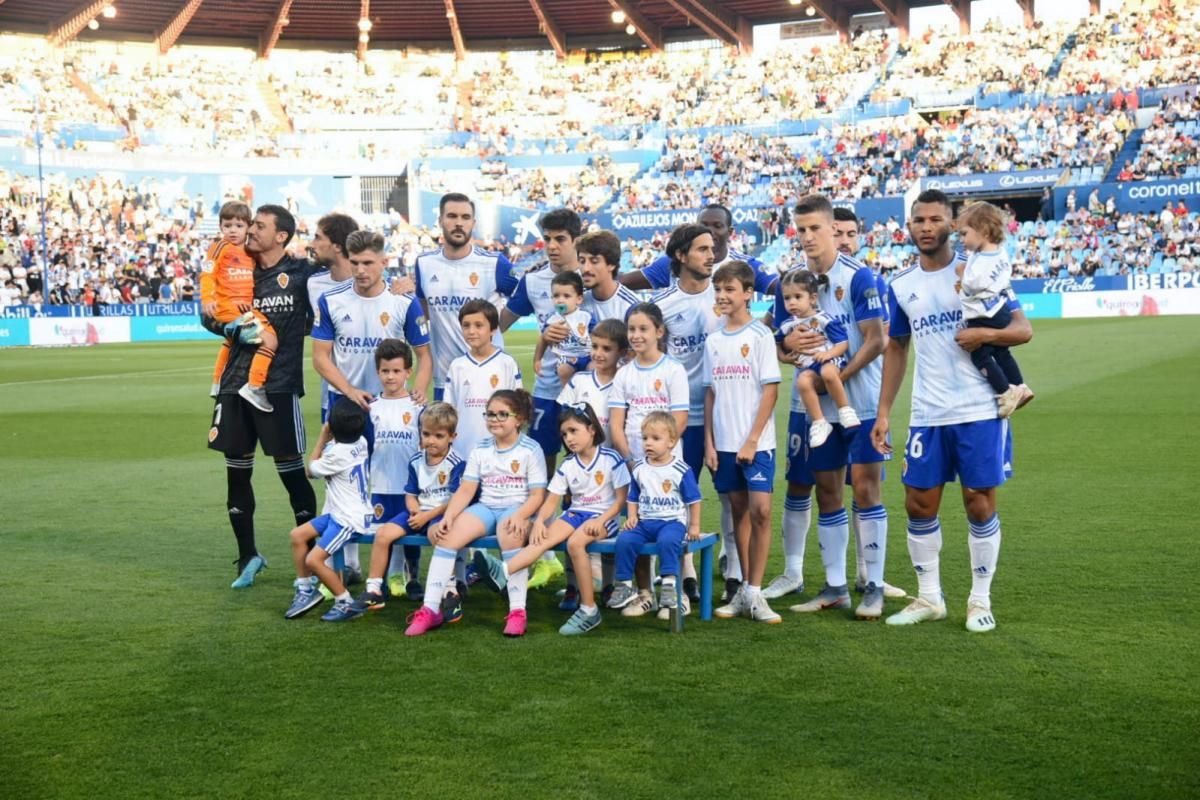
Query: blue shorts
x,y
577,518
839,450
401,519
544,427
693,448
757,476
577,363
979,454
492,517
332,535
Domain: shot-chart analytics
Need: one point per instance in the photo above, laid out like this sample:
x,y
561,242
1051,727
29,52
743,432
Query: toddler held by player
x,y
820,372
985,284
342,462
227,294
574,352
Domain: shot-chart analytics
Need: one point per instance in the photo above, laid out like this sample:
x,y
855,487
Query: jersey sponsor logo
x,y
474,279
434,279
281,302
599,476
384,318
283,280
681,344
839,293
745,350
359,342
912,298
347,318
941,321
732,371
516,466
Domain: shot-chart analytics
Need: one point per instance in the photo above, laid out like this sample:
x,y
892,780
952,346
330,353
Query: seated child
x,y
664,507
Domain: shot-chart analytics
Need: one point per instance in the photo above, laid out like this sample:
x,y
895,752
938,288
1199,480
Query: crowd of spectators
x,y
1170,146
1004,58
1149,43
584,189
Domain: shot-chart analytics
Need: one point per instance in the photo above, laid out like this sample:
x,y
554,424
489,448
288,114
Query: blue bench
x,y
704,545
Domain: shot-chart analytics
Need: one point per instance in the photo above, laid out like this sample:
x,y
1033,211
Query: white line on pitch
x,y
101,377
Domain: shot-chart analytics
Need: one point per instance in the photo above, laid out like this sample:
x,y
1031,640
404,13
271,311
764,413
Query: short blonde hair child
x,y
984,218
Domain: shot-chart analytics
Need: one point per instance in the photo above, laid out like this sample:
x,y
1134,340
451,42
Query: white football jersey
x,y
615,307
985,284
433,484
506,476
347,480
947,389
397,438
356,325
737,365
468,386
593,487
579,341
318,284
664,491
445,285
640,390
690,319
585,387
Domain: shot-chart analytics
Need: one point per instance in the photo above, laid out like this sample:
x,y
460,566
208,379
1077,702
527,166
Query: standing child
x,y
741,375
227,293
609,344
985,283
394,417
574,352
596,478
474,377
343,464
819,373
652,381
508,470
434,474
664,507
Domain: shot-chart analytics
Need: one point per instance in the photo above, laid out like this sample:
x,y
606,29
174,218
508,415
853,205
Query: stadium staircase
x,y
1128,152
283,123
91,94
1056,65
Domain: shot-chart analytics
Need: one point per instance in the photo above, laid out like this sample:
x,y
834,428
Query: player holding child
x,y
227,293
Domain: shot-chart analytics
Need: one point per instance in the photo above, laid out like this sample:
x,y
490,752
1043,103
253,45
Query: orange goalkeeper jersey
x,y
227,279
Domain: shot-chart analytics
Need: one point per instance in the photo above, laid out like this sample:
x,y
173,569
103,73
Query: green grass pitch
x,y
128,668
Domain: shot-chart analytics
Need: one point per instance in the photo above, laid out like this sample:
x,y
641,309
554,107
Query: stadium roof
x,y
437,22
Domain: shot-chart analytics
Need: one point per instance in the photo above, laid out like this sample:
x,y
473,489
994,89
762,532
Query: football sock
x,y
608,568
860,565
733,564
752,592
872,526
924,547
549,556
239,503
412,558
589,610
668,580
833,534
460,567
350,554
687,563
343,596
797,516
985,552
628,583
260,365
570,576
222,360
300,491
396,560
375,585
441,567
518,582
